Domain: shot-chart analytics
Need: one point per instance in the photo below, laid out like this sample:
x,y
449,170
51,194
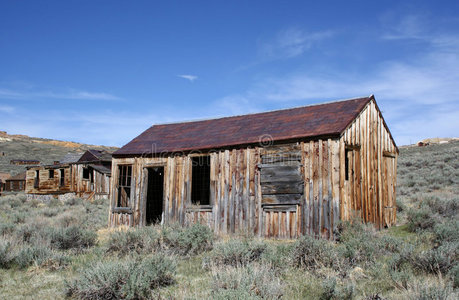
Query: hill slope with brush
x,y
46,151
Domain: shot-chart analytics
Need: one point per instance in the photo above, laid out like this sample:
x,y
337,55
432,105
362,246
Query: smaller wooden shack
x,y
91,174
3,178
86,175
16,183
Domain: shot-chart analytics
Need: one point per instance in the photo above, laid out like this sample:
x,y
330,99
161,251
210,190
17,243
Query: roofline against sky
x,y
263,112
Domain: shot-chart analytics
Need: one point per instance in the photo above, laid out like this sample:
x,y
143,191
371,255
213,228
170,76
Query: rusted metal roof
x,y
329,119
95,155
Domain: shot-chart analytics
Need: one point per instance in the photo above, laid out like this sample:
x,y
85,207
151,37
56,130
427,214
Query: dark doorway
x,y
155,195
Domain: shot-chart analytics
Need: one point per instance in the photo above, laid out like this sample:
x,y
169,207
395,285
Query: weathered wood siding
x,y
48,185
240,202
277,190
14,185
99,186
369,193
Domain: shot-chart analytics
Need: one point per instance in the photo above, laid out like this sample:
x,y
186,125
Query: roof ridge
x,y
263,112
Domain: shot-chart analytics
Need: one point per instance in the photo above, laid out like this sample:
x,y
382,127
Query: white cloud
x,y
31,94
408,27
6,109
418,95
292,42
191,78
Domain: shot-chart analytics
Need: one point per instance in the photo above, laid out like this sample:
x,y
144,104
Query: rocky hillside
x,y
22,147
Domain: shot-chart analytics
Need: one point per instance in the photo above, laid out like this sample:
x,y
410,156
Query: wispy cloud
x,y
191,78
418,95
408,27
292,42
31,94
6,109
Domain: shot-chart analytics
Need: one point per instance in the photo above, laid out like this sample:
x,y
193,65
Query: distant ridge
x,y
23,147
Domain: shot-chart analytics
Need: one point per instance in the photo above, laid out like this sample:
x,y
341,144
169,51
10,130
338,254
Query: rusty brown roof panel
x,y
295,123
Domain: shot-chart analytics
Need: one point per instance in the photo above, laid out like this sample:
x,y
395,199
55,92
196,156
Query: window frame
x,y
207,173
51,173
86,170
121,171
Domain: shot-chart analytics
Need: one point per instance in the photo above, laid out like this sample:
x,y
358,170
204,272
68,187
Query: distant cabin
x,y
24,162
15,183
3,178
86,175
281,173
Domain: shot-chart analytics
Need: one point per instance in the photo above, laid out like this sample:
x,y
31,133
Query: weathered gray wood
x,y
281,158
283,178
282,198
279,208
282,188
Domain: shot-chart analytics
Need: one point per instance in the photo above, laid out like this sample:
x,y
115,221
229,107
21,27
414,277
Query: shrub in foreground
x,y
188,240
32,254
134,278
332,290
235,253
72,237
253,281
420,219
313,254
6,257
143,240
437,260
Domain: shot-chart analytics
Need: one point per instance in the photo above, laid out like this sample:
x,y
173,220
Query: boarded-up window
x,y
281,179
124,185
200,180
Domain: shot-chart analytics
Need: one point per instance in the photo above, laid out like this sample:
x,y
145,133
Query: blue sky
x,y
101,72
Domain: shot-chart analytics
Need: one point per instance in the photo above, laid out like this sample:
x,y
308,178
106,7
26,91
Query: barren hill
x,y
23,147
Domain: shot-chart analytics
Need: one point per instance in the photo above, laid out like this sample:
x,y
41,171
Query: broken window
x,y
51,174
200,180
124,185
85,173
62,179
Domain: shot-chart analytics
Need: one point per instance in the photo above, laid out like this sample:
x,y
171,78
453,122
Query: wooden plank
x,y
305,205
311,187
342,176
335,183
277,178
282,188
282,199
320,170
390,154
227,192
281,158
316,188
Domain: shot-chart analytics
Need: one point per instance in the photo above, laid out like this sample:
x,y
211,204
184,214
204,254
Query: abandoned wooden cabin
x,y
15,183
279,174
85,175
3,178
